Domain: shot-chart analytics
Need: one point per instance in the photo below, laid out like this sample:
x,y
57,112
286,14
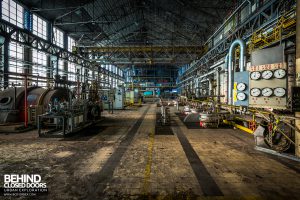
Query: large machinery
x,y
256,96
15,110
255,77
66,116
21,109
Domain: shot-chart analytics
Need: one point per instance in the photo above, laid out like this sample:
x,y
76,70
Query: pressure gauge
x,y
241,96
267,74
255,75
241,86
279,92
279,73
267,92
255,92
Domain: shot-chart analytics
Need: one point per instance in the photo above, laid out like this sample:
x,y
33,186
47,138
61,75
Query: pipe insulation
x,y
231,69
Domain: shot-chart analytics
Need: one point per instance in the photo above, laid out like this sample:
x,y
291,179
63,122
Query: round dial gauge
x,y
267,74
241,96
279,73
279,92
241,86
267,92
255,92
255,75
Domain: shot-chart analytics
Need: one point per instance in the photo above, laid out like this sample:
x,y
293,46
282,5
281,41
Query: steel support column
x,y
297,114
27,66
5,62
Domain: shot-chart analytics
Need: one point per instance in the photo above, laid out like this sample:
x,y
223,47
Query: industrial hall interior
x,y
150,99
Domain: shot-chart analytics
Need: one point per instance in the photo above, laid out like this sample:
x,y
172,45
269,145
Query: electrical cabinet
x,y
241,89
119,98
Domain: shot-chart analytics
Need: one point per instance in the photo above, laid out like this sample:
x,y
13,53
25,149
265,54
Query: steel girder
x,y
243,30
123,55
28,39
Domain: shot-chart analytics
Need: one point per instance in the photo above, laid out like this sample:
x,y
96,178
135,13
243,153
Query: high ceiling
x,y
182,26
134,22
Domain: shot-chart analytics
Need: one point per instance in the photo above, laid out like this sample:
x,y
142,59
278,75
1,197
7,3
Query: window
x,y
16,54
61,68
71,72
39,67
58,37
12,12
39,27
89,76
71,43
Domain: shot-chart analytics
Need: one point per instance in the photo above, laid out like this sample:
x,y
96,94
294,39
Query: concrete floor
x,y
123,158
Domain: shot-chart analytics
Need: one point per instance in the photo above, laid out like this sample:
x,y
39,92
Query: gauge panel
x,y
255,75
255,92
279,73
267,92
267,74
268,80
241,86
241,96
279,92
241,89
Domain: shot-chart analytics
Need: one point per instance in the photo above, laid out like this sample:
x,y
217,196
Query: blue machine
x,y
241,87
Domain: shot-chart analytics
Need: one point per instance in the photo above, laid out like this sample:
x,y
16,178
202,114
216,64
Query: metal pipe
x,y
225,78
238,126
226,63
218,84
205,75
25,104
83,22
15,96
209,86
204,80
209,73
297,114
242,45
217,64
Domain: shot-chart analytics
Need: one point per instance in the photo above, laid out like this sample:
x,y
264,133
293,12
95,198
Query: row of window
x,y
14,14
40,67
113,69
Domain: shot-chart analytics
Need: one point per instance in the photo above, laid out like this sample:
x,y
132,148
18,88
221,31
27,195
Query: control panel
x,y
241,89
268,86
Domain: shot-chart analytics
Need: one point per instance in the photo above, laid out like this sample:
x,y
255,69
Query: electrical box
x,y
129,97
119,98
241,89
107,98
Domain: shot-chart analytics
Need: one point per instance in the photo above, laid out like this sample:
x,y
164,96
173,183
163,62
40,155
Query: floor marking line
x,y
149,163
101,179
207,183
